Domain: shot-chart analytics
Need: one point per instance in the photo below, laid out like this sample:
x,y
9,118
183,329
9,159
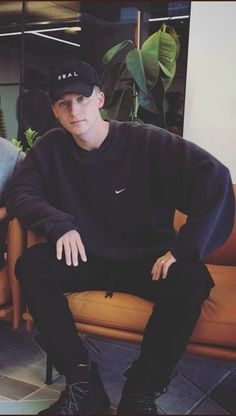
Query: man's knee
x,y
29,261
189,280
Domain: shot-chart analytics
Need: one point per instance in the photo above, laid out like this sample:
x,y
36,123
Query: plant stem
x,y
135,107
135,95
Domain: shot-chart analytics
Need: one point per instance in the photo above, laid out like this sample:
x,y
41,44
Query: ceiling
x,y
95,17
37,12
42,16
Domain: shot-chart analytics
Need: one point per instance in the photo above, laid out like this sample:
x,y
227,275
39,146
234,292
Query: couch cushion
x,y
216,325
122,311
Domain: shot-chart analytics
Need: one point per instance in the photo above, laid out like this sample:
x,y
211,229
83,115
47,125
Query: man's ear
x,y
54,111
101,99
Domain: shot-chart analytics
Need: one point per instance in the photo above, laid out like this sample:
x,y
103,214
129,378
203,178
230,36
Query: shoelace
x,y
147,399
73,394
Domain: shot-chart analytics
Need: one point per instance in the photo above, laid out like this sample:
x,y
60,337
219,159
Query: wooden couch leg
x,y
49,368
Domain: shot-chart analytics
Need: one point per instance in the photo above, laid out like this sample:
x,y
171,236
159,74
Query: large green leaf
x,y
126,105
150,52
154,105
158,94
168,50
165,71
121,106
147,102
174,35
111,53
168,80
135,66
160,51
110,79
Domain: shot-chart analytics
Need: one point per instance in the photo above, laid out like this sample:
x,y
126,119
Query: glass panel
x,y
10,44
52,31
52,34
10,23
55,31
8,121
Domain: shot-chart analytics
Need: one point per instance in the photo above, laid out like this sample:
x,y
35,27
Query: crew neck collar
x,y
101,148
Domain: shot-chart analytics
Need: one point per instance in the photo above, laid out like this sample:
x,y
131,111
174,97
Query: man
x,y
10,158
104,195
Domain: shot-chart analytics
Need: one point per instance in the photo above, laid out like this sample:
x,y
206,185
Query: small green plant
x,y
31,137
17,143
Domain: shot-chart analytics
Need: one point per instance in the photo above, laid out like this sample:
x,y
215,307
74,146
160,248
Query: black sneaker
x,y
86,396
137,400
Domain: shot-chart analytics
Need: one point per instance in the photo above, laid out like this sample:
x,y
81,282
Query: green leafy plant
x,y
135,80
31,137
17,143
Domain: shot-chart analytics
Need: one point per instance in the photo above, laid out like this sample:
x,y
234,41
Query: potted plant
x,y
135,80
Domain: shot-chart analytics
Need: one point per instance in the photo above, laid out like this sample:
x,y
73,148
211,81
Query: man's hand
x,y
161,266
72,245
3,213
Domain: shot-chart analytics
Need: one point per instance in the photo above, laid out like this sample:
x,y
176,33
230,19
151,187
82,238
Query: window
x,y
35,35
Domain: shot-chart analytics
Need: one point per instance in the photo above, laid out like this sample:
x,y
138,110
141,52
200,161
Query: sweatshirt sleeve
x,y
19,159
210,215
25,199
197,184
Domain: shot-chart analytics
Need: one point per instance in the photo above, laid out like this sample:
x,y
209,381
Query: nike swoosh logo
x,y
120,190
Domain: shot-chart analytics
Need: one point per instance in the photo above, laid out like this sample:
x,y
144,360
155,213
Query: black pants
x,y
177,307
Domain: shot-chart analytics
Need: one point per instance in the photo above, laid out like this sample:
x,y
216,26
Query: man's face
x,y
79,114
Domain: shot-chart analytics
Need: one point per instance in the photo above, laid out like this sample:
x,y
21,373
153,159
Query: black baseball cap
x,y
74,76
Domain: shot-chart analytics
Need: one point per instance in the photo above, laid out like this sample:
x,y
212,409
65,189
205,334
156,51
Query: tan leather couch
x,y
124,316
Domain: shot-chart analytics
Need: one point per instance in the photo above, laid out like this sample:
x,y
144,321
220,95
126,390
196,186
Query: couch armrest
x,y
16,244
5,290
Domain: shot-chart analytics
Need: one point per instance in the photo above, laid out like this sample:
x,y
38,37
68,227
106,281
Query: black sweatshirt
x,y
122,196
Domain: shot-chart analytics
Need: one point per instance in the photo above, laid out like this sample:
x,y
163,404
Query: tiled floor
x,y
199,386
